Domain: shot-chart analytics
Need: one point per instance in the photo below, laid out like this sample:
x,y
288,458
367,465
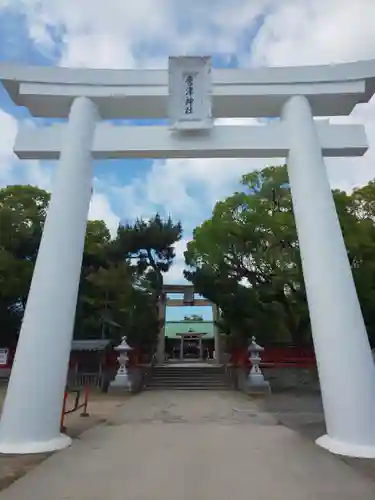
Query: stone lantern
x,y
255,378
122,380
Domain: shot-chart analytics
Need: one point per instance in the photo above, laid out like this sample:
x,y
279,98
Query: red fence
x,y
278,356
9,360
79,403
301,357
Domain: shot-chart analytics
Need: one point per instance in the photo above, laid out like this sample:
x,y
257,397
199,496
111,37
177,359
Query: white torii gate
x,y
31,413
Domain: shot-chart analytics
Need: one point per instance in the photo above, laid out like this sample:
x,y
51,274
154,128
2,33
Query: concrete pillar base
x,y
34,447
347,449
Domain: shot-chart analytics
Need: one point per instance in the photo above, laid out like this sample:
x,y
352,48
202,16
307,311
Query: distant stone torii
x,y
188,299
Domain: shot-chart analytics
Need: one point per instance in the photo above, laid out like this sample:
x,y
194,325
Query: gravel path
x,y
187,445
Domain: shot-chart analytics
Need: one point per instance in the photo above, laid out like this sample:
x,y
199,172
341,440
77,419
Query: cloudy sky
x,y
124,34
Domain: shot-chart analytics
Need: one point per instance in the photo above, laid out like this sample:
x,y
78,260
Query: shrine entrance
x,y
193,338
191,346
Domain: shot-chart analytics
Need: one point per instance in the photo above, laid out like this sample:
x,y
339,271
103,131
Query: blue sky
x,y
240,33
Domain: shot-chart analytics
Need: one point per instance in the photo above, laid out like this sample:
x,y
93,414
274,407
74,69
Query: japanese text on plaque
x,y
189,94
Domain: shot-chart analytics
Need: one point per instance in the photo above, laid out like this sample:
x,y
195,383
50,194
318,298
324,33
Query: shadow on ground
x,y
303,412
100,408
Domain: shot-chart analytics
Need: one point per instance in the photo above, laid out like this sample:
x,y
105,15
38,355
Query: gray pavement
x,y
188,445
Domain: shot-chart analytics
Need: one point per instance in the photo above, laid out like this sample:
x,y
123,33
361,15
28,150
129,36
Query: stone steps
x,y
188,377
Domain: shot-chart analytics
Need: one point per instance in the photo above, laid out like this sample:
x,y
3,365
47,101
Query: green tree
x,y
91,302
357,217
250,247
193,317
120,307
150,244
22,214
121,279
245,258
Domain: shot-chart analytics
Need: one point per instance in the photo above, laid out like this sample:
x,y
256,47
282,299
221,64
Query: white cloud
x,y
113,33
116,34
100,209
175,274
348,173
315,32
330,31
186,189
33,172
12,171
8,131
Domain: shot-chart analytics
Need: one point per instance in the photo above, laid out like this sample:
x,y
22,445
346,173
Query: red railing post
x,y
85,402
62,426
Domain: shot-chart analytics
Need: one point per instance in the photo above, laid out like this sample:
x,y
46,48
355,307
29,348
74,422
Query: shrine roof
x,y
174,329
90,345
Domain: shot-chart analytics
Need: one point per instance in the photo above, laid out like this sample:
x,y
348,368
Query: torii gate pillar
x,y
345,364
30,420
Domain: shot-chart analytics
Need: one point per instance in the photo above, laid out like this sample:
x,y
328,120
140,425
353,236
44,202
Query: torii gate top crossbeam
x,y
186,290
256,92
177,288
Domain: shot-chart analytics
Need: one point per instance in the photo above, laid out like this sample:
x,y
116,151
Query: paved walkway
x,y
192,446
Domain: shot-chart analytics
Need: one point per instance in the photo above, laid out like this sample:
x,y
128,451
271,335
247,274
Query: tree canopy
x,y
150,245
193,317
121,278
22,214
245,258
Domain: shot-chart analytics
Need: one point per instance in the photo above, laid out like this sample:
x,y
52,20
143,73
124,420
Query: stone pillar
x,y
182,348
160,353
200,347
215,317
345,365
32,409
